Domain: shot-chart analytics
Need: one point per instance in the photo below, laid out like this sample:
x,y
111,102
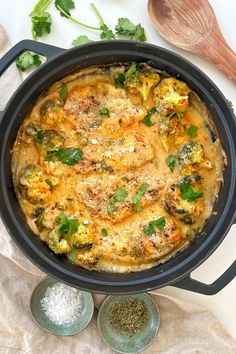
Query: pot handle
x,y
196,286
46,50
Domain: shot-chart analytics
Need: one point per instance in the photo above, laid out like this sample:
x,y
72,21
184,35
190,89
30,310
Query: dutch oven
x,y
175,271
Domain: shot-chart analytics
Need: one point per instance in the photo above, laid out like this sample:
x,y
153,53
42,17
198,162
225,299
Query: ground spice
x,y
129,316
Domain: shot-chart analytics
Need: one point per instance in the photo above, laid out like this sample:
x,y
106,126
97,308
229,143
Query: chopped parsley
x,y
170,161
124,250
38,137
126,28
67,227
81,40
104,232
28,60
188,193
147,119
158,223
119,196
192,131
138,195
63,92
105,112
51,185
69,156
41,20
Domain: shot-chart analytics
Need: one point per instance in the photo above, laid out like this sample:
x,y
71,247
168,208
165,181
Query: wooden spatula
x,y
192,25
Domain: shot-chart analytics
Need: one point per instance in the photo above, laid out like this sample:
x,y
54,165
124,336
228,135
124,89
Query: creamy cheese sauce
x,y
117,167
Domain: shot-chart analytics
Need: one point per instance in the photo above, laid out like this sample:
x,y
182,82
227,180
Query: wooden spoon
x,y
192,25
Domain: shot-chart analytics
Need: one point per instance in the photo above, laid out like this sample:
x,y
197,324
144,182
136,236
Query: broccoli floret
x,y
32,129
59,247
52,139
30,175
50,106
172,92
179,208
142,81
84,237
192,179
190,153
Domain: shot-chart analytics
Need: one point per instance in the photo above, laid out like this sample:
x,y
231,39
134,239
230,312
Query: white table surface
x,y
14,17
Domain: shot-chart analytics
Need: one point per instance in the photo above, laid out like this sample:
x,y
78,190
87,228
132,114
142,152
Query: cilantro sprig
x,y
170,161
147,119
69,156
136,199
67,227
188,193
28,60
41,20
126,28
158,223
81,40
192,131
119,196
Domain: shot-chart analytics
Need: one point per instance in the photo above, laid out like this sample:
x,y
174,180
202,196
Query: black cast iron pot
x,y
177,270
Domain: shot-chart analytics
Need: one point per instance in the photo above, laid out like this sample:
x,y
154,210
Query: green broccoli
x,y
30,175
172,92
52,139
142,81
190,153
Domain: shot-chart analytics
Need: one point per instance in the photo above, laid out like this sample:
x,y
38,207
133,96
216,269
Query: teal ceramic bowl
x,y
39,315
123,343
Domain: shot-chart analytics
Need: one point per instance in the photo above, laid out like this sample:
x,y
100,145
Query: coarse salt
x,y
94,141
86,222
61,304
131,149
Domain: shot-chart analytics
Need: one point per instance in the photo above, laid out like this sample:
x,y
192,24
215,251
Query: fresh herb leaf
x,y
104,232
64,6
41,20
120,80
67,226
230,103
138,195
119,196
106,33
147,119
192,131
28,60
73,226
81,40
63,92
124,250
69,156
105,112
126,28
139,34
170,161
51,185
149,230
41,24
188,193
158,223
38,137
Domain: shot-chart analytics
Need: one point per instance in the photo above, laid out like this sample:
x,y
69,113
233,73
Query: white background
x,y
14,17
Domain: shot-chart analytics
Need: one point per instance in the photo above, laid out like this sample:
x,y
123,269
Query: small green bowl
x,y
123,343
39,315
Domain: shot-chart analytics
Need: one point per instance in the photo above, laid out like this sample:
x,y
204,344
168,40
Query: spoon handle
x,y
220,53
